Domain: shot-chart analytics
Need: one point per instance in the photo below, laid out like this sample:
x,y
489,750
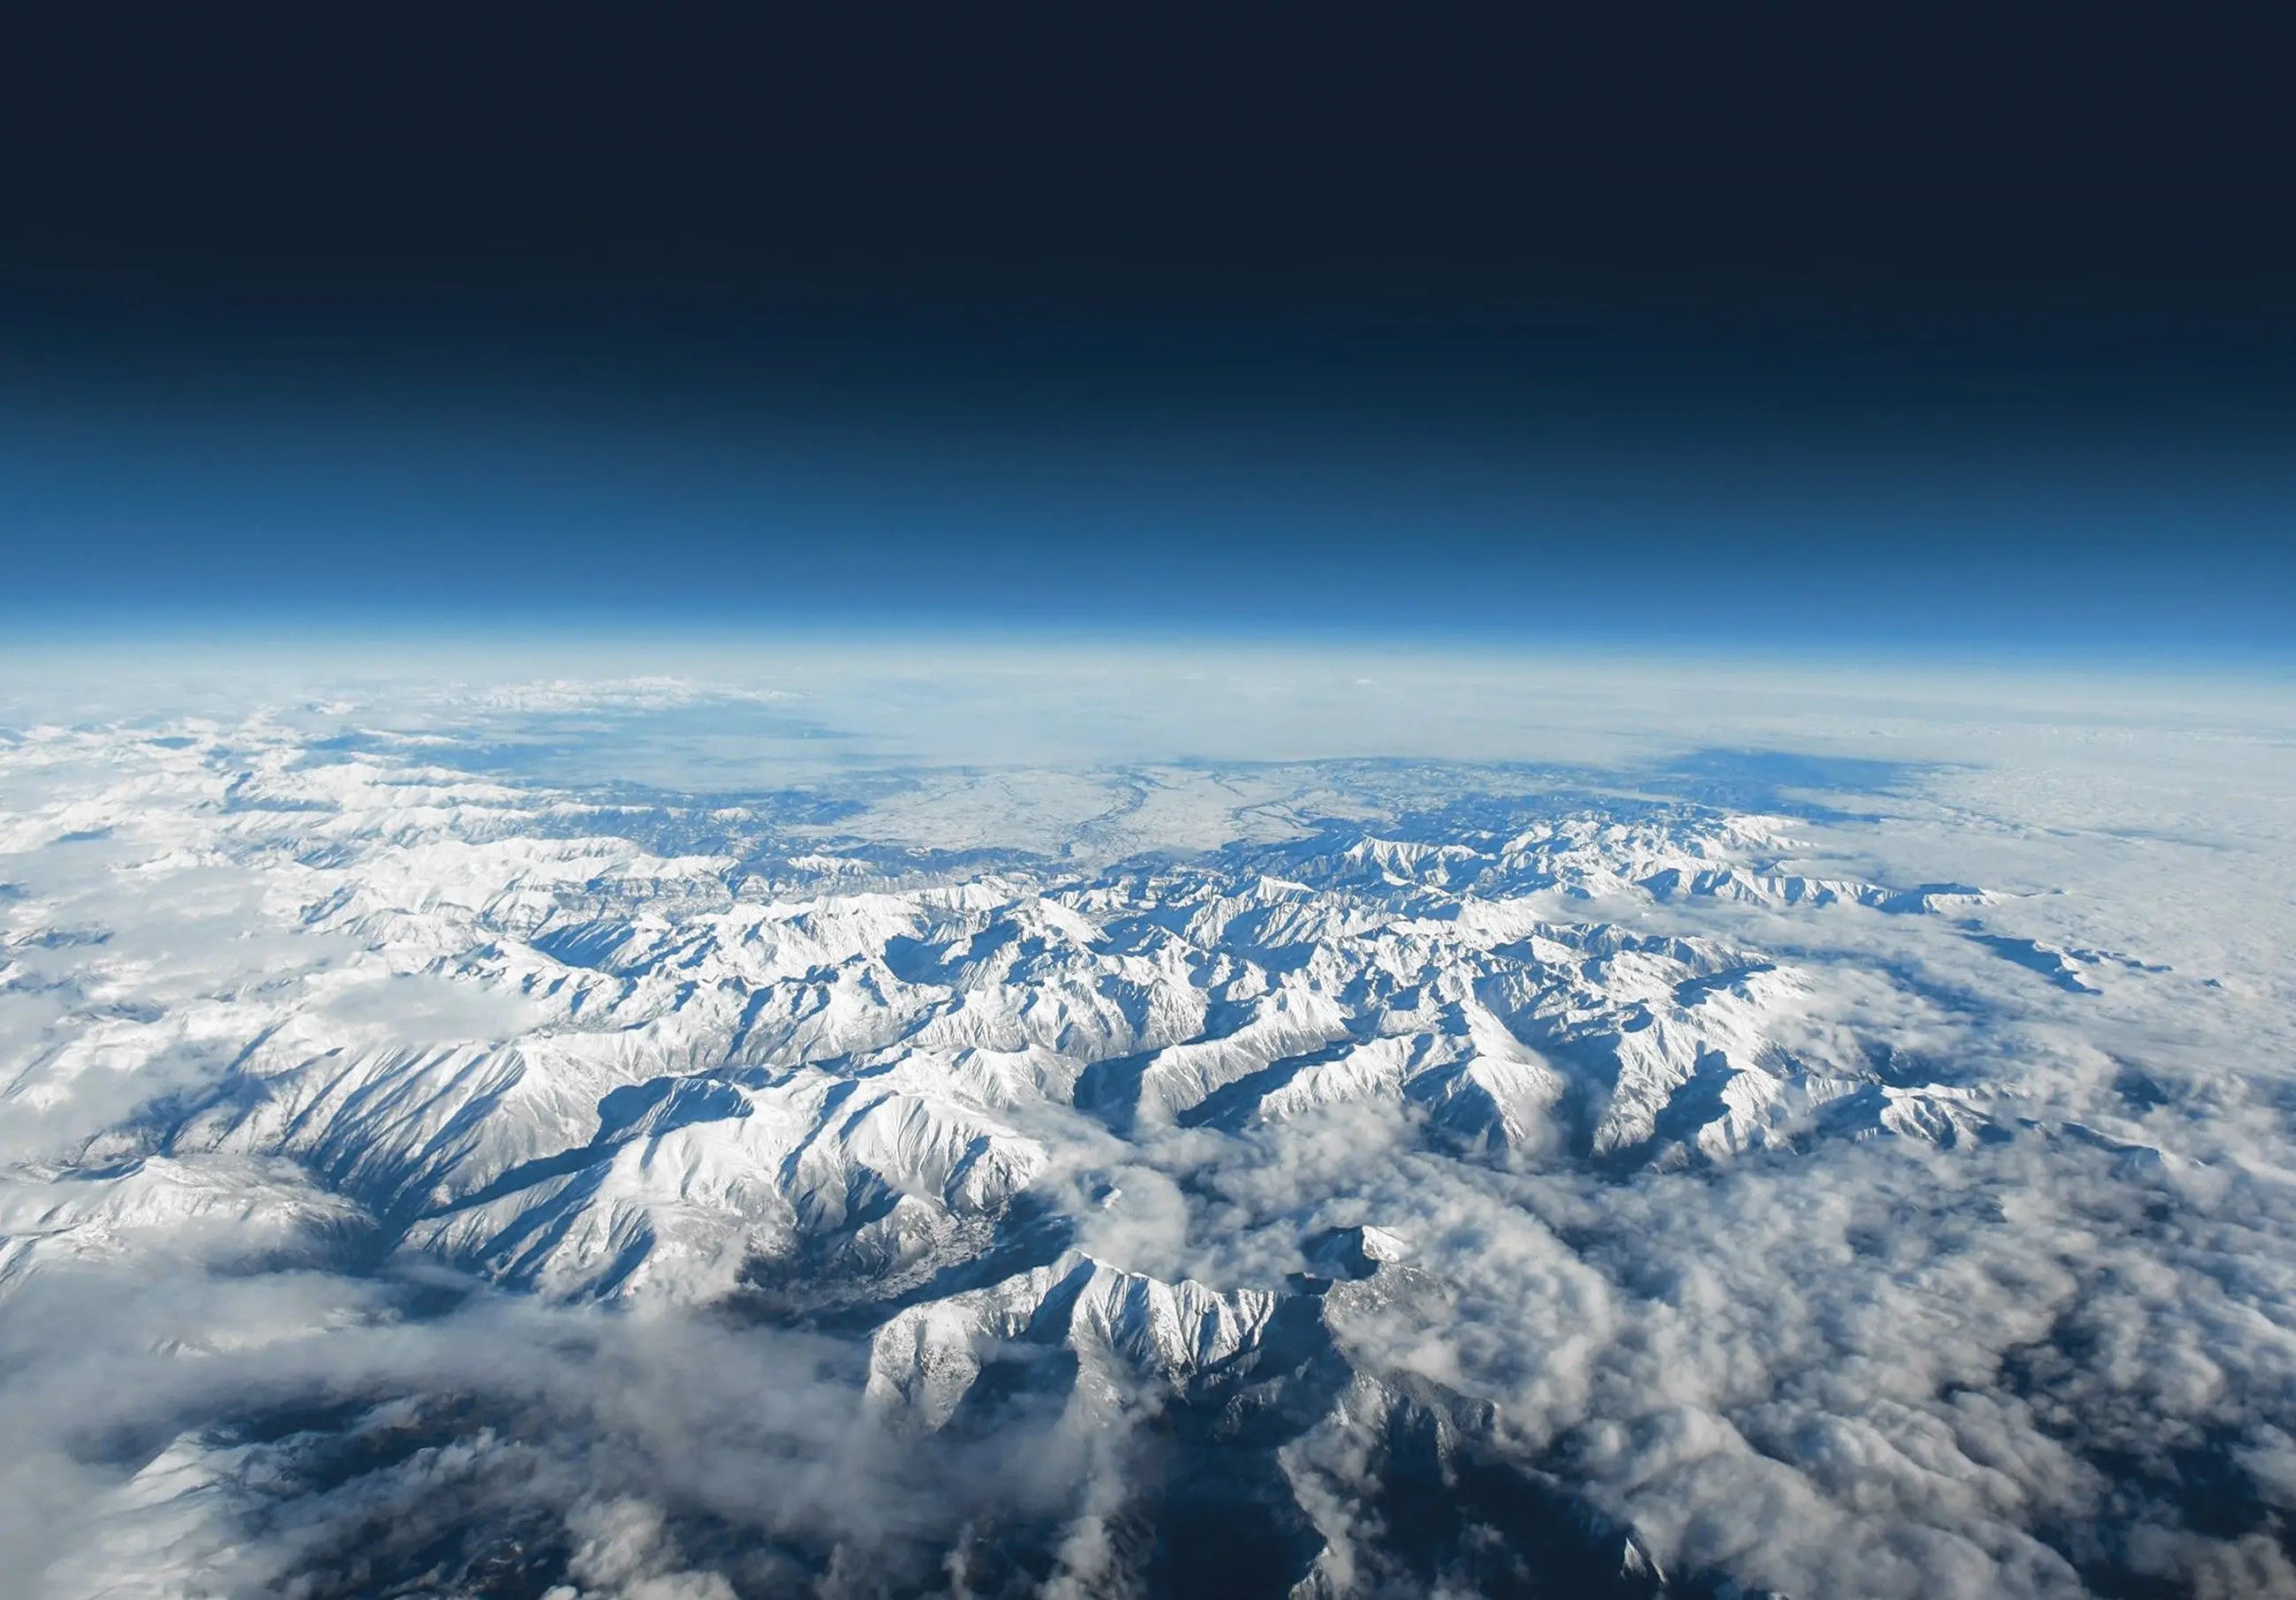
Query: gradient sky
x,y
988,354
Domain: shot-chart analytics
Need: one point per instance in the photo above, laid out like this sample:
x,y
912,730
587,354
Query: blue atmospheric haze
x,y
1503,481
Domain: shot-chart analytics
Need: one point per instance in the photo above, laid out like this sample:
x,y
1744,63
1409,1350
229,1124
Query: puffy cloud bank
x,y
1704,1175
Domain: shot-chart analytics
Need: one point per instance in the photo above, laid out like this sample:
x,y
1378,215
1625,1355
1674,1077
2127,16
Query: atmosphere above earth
x,y
1358,810
1879,442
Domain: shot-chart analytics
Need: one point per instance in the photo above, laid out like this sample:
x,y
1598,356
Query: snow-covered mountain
x,y
1003,1124
722,1064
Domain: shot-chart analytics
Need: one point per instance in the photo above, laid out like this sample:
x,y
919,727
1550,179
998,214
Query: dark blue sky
x,y
1791,360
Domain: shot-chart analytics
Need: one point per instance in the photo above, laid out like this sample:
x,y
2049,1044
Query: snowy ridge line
x,y
849,1062
1064,1142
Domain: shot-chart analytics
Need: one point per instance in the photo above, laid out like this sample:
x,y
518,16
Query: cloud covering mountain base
x,y
474,1140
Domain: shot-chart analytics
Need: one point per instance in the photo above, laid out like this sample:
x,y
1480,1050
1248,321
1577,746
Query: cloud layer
x,y
424,1172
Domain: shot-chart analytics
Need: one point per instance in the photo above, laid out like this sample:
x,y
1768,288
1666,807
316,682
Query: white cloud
x,y
1842,1365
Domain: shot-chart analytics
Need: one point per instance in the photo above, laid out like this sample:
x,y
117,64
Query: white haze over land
x,y
852,1119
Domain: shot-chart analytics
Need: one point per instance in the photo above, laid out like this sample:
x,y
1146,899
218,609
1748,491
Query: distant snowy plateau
x,y
425,1173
